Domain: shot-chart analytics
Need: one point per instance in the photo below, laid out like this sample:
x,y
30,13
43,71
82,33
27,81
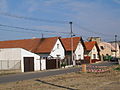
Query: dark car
x,y
114,59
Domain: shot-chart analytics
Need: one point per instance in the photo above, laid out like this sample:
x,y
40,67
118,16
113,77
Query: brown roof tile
x,y
46,45
37,45
67,43
90,45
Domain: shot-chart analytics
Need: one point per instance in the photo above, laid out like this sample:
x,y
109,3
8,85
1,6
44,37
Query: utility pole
x,y
71,42
42,35
115,46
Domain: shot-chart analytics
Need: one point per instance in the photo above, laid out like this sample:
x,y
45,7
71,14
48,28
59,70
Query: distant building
x,y
116,49
97,39
109,49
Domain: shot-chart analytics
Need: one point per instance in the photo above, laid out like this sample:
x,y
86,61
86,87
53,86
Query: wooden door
x,y
28,64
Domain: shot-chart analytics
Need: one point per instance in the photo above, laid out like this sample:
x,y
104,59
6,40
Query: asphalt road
x,y
26,76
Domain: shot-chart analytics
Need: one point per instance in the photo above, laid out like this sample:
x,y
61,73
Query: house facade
x,y
105,48
116,47
109,50
78,49
92,50
51,48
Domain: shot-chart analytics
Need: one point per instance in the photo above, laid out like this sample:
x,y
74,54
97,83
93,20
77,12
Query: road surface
x,y
26,76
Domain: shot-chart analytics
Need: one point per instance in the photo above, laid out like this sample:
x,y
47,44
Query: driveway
x,y
31,75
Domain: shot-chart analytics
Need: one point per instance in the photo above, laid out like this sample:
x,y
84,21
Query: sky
x,y
91,18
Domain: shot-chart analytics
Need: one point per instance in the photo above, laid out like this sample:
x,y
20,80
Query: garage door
x,y
52,64
28,64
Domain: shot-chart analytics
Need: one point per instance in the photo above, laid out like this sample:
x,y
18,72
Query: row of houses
x,y
46,53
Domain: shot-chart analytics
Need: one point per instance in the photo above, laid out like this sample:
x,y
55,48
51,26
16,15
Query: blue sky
x,y
90,18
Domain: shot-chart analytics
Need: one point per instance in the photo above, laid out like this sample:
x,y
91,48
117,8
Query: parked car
x,y
113,59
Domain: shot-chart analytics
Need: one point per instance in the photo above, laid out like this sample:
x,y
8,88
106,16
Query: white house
x,y
18,58
79,52
51,48
92,50
44,47
58,50
78,49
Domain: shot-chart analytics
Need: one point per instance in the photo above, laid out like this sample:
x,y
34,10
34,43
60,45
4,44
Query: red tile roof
x,y
46,45
89,45
37,45
67,43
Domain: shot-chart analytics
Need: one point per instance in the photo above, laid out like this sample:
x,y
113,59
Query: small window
x,y
57,46
79,56
102,47
94,56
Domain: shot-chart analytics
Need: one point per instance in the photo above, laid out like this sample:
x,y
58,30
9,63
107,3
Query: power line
x,y
50,21
24,32
98,33
33,19
16,31
35,30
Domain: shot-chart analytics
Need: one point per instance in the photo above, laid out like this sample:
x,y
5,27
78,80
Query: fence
x,y
10,64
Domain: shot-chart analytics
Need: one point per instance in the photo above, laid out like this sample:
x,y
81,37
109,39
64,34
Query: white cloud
x,y
3,5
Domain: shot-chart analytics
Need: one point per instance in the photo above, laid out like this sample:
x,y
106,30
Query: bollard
x,y
84,68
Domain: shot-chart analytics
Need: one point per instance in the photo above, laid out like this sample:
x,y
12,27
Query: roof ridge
x,y
19,39
28,39
70,37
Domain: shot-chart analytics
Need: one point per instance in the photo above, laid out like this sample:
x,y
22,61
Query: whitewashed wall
x,y
58,51
10,54
15,56
43,64
10,58
25,53
79,52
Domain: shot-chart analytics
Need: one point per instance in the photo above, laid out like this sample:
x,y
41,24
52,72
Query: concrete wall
x,y
79,52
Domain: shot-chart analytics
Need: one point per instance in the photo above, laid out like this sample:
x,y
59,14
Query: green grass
x,y
118,68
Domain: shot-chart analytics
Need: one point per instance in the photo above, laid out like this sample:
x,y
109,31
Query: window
x,y
97,55
57,46
58,56
102,47
94,56
79,56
